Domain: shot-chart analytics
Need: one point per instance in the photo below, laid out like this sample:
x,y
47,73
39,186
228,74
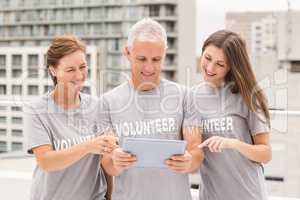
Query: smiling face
x,y
146,60
71,71
214,66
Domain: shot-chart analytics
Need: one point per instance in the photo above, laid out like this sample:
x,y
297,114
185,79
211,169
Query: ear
x,y
126,52
52,70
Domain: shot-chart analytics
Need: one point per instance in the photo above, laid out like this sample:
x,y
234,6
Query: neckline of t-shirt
x,y
147,92
62,110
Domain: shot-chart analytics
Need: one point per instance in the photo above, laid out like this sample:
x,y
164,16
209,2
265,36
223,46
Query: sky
x,y
211,13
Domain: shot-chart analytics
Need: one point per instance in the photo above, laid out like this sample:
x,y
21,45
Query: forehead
x,y
215,52
154,48
74,59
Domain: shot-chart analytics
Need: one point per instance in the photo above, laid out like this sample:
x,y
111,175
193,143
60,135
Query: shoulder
x,y
115,92
173,87
37,105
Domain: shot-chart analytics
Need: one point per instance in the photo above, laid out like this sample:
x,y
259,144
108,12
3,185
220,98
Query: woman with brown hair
x,y
63,133
232,111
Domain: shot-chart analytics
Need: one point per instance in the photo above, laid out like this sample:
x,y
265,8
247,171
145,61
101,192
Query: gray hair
x,y
147,29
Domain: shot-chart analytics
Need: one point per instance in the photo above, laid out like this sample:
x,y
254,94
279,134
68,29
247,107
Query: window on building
x,y
2,73
17,133
48,88
16,146
170,10
116,45
170,26
16,60
33,60
2,89
46,73
3,132
171,43
3,119
32,73
16,89
154,10
2,60
3,146
170,59
115,61
17,120
16,73
33,90
99,29
16,108
3,108
295,66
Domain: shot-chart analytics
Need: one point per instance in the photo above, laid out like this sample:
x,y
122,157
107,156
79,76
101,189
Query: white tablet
x,y
152,153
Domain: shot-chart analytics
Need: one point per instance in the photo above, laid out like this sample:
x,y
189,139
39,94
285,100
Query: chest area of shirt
x,y
226,125
67,131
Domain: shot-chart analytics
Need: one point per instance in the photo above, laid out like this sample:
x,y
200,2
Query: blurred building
x,y
257,28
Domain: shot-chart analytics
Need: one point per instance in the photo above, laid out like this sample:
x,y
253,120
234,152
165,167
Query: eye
x,y
70,70
83,67
142,59
208,58
220,65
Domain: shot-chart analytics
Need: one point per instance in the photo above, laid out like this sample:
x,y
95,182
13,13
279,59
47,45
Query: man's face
x,y
146,60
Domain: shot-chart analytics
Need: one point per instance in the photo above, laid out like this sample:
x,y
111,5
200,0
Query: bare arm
x,y
50,160
109,181
260,151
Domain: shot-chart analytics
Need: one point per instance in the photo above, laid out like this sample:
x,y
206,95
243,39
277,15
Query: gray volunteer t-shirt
x,y
156,113
228,175
47,123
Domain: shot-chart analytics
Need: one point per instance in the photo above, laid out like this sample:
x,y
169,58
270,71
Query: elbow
x,y
44,166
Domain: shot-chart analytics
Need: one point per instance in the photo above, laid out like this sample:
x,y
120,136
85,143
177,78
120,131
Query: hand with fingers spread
x,y
102,144
217,143
180,163
122,160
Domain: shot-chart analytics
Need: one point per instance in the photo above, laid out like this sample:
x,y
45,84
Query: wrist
x,y
86,148
234,144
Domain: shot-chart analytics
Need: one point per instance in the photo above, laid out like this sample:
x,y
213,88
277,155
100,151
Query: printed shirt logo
x,y
224,124
146,127
67,143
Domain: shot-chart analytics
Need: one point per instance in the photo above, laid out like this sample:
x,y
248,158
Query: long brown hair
x,y
240,73
60,47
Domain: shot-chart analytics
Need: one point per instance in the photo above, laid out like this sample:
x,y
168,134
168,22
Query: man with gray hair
x,y
148,106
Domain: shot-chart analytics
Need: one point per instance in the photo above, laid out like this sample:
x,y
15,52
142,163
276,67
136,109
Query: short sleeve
x,y
191,116
35,130
104,119
257,123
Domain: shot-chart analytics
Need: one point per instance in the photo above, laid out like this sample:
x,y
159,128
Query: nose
x,y
148,67
79,75
210,67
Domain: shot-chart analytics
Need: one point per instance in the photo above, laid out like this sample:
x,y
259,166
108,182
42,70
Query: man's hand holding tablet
x,y
180,163
122,160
